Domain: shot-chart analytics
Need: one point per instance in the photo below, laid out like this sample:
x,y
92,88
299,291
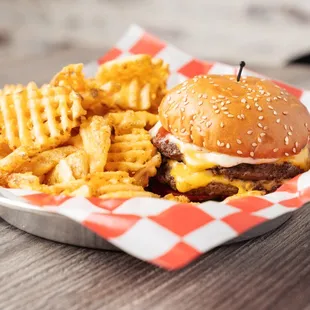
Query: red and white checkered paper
x,y
162,232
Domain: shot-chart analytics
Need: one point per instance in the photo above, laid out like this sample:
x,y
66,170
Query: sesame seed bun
x,y
251,118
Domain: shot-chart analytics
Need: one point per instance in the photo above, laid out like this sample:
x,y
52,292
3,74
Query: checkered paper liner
x,y
162,232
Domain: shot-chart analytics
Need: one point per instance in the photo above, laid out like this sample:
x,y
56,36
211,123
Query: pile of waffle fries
x,y
84,137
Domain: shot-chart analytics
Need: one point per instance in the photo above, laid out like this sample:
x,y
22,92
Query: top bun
x,y
251,118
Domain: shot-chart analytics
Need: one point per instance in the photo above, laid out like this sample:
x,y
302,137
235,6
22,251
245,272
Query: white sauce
x,y
213,157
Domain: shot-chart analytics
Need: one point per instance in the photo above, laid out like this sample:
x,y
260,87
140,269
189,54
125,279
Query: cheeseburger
x,y
220,137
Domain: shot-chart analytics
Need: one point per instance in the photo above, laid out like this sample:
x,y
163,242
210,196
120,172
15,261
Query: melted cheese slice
x,y
187,178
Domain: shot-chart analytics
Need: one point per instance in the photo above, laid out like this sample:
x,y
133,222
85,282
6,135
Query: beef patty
x,y
214,190
245,172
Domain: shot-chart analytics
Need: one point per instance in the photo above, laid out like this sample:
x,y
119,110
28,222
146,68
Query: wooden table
x,y
270,272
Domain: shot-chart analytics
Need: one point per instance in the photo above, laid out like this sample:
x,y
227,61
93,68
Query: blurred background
x,y
262,32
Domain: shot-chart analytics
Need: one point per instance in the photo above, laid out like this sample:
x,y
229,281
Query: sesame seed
x,y
248,106
278,121
294,150
218,142
265,127
289,133
183,118
284,112
254,144
204,117
249,132
169,98
182,109
270,107
213,97
217,111
222,103
239,116
259,139
228,102
285,127
169,126
178,92
193,92
186,102
260,125
252,154
228,88
221,96
243,100
286,154
239,152
275,113
296,144
204,96
275,150
256,104
183,130
199,96
275,98
195,116
214,106
285,99
224,108
279,97
262,134
291,128
222,124
234,96
239,141
175,130
260,109
230,115
261,117
242,116
209,123
249,97
286,140
255,99
228,146
200,102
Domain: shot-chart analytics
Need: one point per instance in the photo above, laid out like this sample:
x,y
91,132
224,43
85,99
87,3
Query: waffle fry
x,y
180,198
142,80
130,152
143,175
32,182
95,134
46,161
124,122
93,95
115,184
17,158
73,167
42,117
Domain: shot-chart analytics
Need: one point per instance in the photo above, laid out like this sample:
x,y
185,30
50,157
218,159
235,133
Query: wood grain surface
x,y
270,272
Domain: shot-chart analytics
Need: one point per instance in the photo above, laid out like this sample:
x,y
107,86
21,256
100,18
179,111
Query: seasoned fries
x,y
142,81
39,117
83,136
